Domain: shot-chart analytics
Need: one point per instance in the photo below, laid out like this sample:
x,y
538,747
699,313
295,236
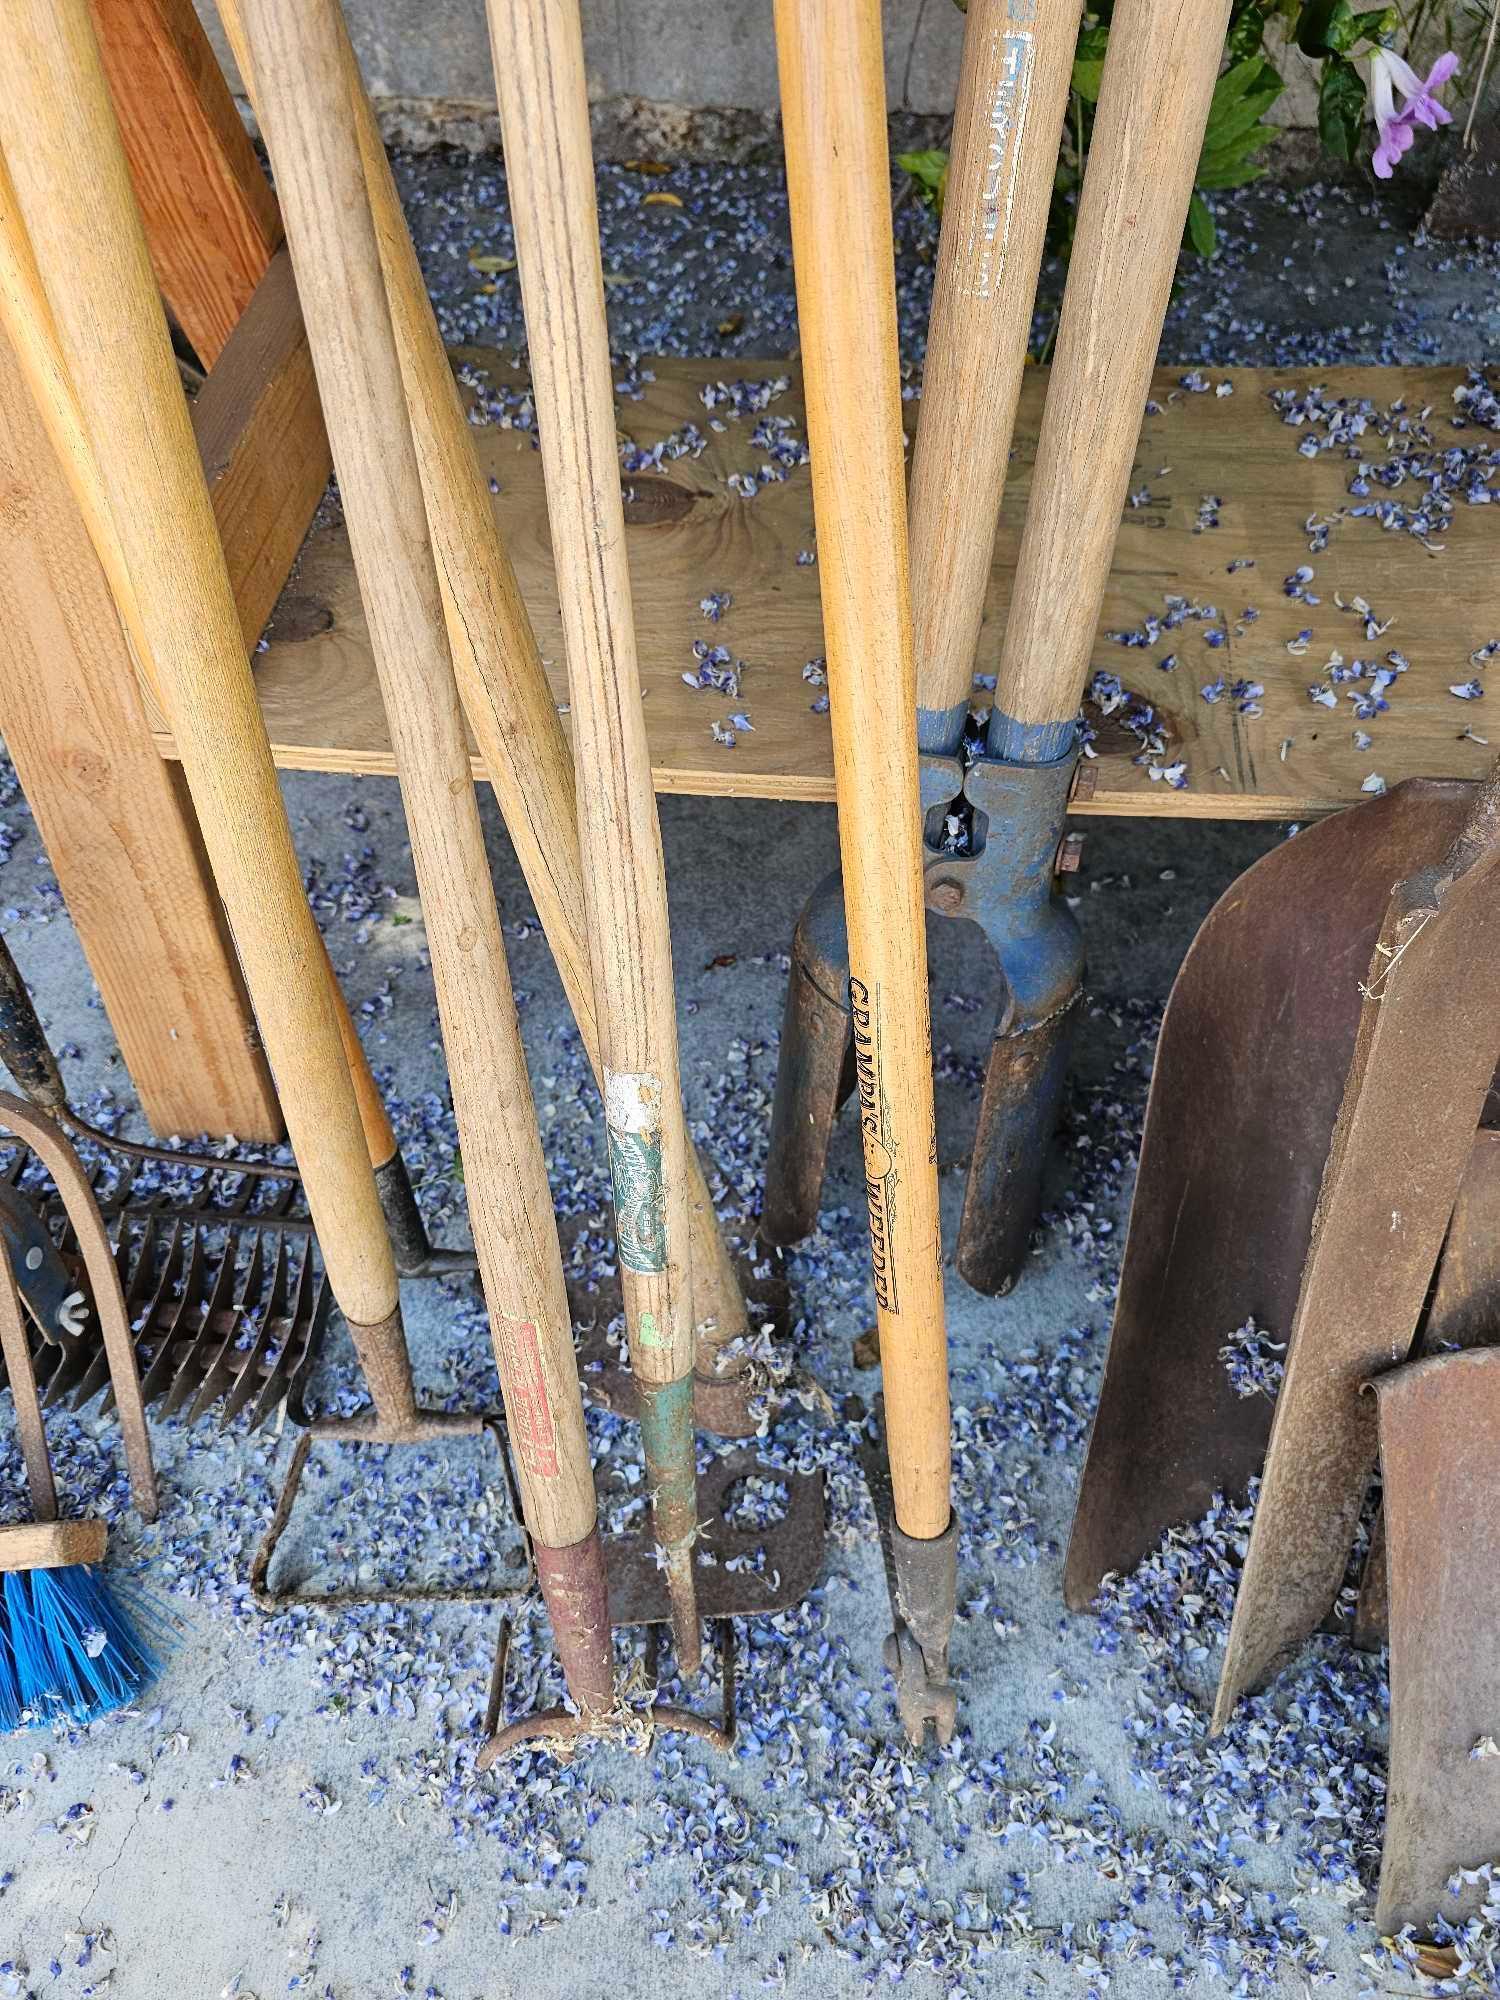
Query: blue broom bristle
x,y
67,1647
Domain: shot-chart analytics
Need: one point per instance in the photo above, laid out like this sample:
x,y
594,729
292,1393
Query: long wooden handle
x,y
1012,98
502,683
544,116
833,113
1153,105
28,323
59,135
307,117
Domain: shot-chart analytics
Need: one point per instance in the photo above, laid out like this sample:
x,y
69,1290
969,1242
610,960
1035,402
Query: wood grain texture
x,y
64,150
687,532
833,113
538,52
260,433
299,62
209,214
117,823
1159,74
51,1544
1012,95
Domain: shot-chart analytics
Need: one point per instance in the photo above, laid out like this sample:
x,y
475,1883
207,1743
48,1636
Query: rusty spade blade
x,y
1439,1425
1424,1055
1249,1073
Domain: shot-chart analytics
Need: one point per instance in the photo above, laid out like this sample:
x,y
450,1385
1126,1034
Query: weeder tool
x,y
833,112
509,706
1439,1425
60,139
1250,1069
1014,796
539,72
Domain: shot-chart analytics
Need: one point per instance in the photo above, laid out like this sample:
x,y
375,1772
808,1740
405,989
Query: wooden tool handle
x,y
833,112
502,683
538,54
60,139
27,320
307,117
1153,105
1012,97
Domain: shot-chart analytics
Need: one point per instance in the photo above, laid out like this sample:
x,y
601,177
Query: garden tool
x,y
510,708
60,139
1439,1427
67,1647
27,320
1249,1074
1424,1056
544,117
1012,798
833,112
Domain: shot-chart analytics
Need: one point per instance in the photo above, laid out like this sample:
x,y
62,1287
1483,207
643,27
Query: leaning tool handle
x,y
544,117
307,117
501,680
1012,98
1153,106
28,323
24,1048
60,139
833,107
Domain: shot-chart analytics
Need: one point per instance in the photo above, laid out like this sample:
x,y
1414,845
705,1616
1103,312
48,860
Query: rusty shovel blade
x,y
1439,1423
1254,1050
1423,1059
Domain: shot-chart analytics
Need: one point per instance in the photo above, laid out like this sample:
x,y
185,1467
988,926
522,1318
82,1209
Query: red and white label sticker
x,y
527,1410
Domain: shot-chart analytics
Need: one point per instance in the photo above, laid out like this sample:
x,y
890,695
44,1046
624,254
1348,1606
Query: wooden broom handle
x,y
28,323
1159,77
307,117
1012,99
833,113
501,680
538,53
58,131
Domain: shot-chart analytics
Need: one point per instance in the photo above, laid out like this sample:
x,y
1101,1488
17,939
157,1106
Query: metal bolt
x,y
1069,854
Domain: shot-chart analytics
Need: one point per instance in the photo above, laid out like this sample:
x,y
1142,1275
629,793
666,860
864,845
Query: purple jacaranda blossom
x,y
1397,128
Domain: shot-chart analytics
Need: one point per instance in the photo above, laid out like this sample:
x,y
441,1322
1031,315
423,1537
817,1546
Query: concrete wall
x,y
687,75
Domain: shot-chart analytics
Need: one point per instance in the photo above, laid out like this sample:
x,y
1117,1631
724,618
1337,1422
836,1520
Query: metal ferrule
x,y
575,1589
927,1590
398,1204
386,1364
941,730
1010,742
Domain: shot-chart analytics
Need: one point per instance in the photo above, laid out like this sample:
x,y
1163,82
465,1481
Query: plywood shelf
x,y
692,534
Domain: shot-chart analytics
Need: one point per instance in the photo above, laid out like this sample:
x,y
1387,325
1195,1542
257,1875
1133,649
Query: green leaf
x,y
1202,234
1231,117
1246,34
1232,174
1341,107
1324,27
930,172
1088,62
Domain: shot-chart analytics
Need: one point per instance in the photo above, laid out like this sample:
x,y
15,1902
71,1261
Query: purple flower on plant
x,y
1397,128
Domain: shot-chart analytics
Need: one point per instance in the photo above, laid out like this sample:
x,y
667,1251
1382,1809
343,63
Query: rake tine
x,y
186,1368
219,1375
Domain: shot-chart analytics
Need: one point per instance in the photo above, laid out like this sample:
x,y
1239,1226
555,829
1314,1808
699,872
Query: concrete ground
x,y
294,1807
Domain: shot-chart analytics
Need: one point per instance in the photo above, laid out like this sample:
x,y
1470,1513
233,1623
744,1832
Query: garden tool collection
x,y
833,110
66,1645
1012,797
62,145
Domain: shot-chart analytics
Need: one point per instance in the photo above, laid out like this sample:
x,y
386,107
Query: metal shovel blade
x,y
1439,1446
1255,1047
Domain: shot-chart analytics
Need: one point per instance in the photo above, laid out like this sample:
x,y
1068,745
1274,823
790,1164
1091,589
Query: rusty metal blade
x,y
1424,1056
1439,1424
1464,1312
1254,1050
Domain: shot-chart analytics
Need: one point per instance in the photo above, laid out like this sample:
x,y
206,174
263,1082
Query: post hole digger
x,y
833,111
1014,794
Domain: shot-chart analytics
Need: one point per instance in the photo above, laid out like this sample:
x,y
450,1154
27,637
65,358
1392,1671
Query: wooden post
x,y
118,826
210,217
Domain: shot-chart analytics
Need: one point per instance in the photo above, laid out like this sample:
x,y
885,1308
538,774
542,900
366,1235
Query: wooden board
x,y
210,217
690,534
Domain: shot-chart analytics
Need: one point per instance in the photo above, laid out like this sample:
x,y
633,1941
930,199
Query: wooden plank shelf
x,y
1221,502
